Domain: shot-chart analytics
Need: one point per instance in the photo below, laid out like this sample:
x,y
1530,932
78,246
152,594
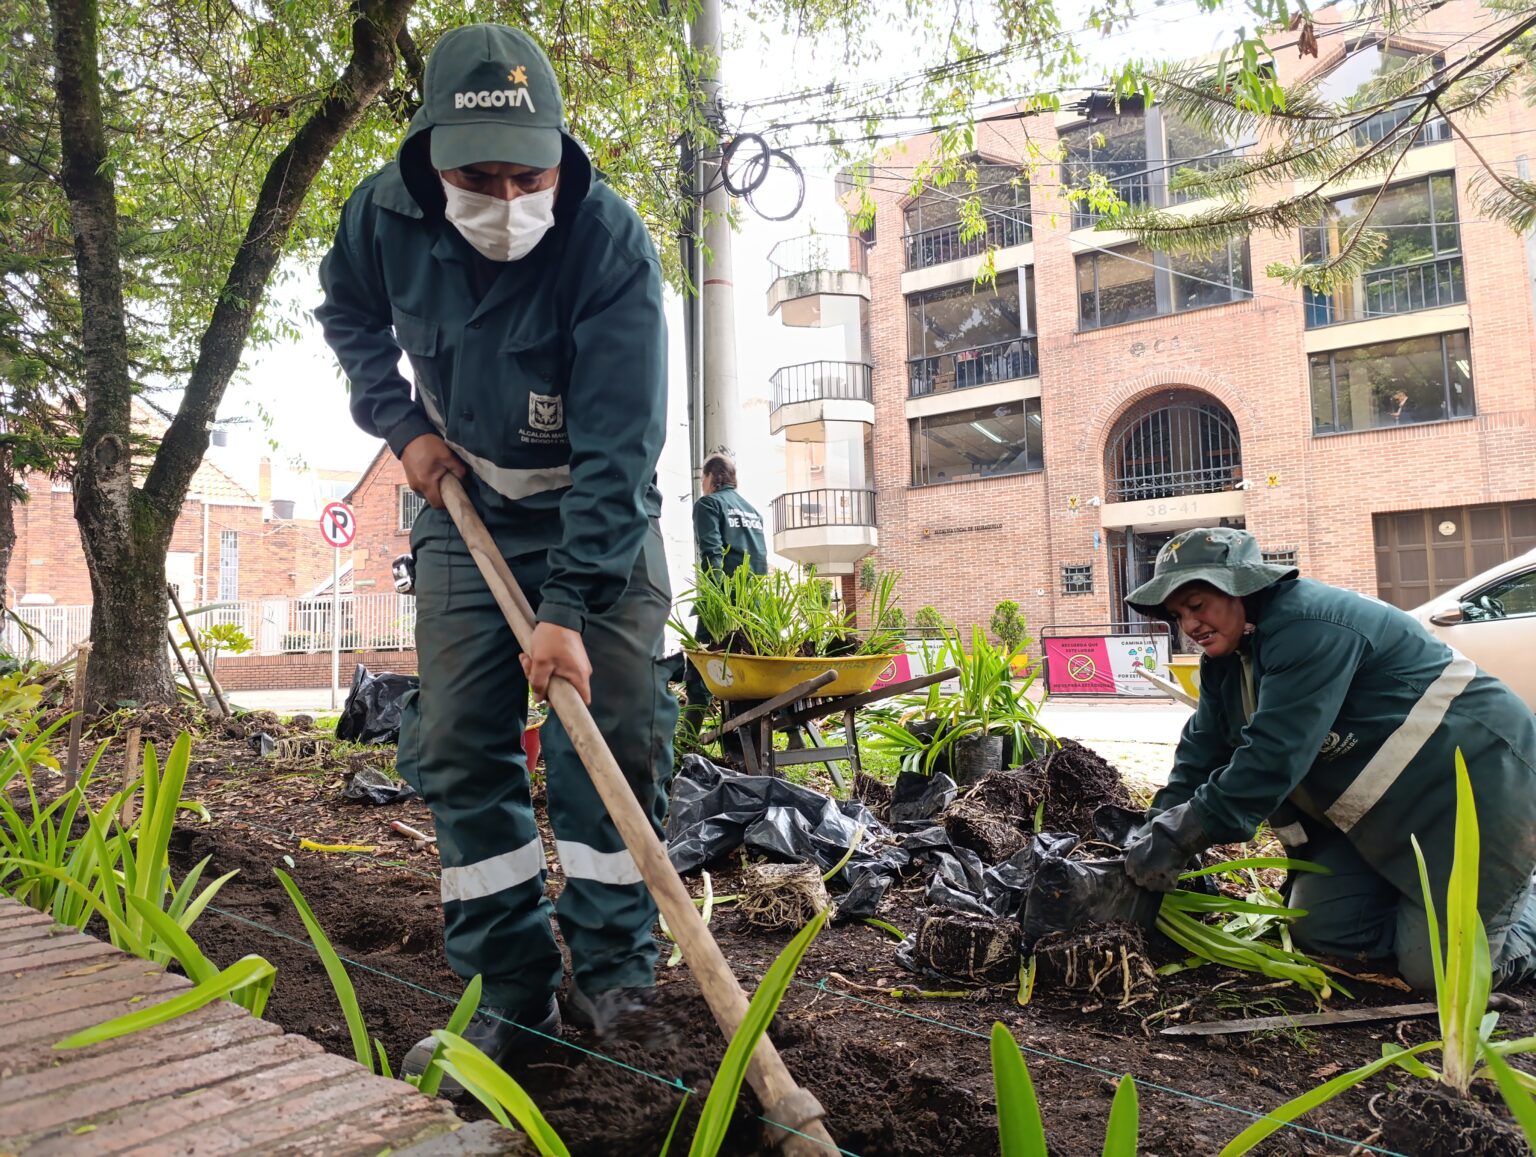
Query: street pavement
x,y
1137,736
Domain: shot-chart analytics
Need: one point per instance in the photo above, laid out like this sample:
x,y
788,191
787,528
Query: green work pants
x,y
461,748
1355,913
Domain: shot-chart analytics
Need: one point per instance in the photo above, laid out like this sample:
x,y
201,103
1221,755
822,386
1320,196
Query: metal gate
x,y
1184,442
1424,553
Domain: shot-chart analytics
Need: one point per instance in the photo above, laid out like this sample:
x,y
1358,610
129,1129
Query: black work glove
x,y
1155,859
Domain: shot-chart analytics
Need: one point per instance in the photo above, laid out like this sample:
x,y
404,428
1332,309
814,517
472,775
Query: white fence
x,y
383,622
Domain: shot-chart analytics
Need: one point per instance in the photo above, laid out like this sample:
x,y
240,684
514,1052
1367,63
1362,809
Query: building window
x,y
1368,61
229,565
1141,156
983,443
1286,556
1132,282
964,335
1418,268
1399,383
939,230
1077,579
411,504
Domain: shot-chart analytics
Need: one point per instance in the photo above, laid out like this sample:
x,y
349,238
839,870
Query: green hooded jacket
x,y
1356,716
729,532
546,375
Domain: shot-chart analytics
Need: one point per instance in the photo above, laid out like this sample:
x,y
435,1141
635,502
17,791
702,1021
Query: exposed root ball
x,y
971,825
782,895
970,948
1107,960
1429,1121
873,794
1076,782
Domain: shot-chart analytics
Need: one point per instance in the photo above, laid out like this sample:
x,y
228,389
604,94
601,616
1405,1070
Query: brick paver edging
x,y
215,1082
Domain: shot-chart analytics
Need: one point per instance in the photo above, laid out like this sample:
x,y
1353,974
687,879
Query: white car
x,y
1491,619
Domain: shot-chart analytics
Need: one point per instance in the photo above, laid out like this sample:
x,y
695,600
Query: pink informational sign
x,y
899,671
1084,662
1078,666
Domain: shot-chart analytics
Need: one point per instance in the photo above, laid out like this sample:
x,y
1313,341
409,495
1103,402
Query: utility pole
x,y
717,314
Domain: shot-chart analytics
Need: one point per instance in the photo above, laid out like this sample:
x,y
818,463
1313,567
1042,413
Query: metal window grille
x,y
411,505
1186,444
229,565
1286,556
1077,579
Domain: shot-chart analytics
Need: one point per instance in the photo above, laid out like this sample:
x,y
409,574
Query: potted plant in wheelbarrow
x,y
760,635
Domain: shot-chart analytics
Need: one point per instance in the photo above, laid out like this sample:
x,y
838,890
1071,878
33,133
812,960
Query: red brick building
x,y
385,507
1041,438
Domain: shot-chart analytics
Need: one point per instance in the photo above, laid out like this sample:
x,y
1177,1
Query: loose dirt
x,y
899,1076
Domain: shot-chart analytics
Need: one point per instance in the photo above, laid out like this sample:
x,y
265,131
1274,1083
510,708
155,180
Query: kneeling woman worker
x,y
1337,718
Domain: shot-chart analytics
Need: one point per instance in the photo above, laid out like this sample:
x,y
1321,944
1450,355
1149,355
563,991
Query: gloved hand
x,y
1155,859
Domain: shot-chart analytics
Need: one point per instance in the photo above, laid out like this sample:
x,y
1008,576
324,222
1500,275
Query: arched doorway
x,y
1173,443
1167,448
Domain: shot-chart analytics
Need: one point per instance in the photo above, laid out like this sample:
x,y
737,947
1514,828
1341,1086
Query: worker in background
x,y
528,298
1337,718
727,535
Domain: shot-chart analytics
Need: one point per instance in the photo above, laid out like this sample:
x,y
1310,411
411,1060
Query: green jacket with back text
x,y
546,375
729,532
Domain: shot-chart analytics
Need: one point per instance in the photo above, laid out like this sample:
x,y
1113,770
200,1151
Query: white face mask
x,y
501,230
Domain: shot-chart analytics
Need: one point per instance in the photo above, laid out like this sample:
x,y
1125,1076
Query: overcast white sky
x,y
297,383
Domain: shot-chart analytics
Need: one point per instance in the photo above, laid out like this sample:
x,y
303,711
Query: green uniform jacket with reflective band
x,y
547,375
729,532
1359,712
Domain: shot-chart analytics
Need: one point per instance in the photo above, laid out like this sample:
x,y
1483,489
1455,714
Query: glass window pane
x,y
1127,285
963,317
1322,394
1403,383
1087,313
1459,360
979,443
1115,147
1447,232
1213,280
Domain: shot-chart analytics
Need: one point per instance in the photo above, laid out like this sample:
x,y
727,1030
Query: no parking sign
x,y
338,525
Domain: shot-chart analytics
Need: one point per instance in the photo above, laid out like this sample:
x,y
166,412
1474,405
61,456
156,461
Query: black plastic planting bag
x,y
370,785
371,713
1066,894
714,812
921,797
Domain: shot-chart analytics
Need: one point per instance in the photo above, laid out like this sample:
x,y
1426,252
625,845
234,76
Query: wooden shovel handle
x,y
767,1073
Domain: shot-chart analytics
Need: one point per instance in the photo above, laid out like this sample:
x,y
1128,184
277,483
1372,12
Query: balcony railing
x,y
1003,227
817,253
1172,483
810,508
1206,164
820,381
1391,122
1135,189
1391,290
981,366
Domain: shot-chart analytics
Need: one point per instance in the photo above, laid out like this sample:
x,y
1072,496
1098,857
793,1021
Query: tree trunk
x,y
126,529
7,519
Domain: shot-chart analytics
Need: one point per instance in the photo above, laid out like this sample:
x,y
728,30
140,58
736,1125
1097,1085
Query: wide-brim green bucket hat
x,y
1228,559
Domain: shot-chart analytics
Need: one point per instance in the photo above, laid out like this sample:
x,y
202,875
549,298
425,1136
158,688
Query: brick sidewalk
x,y
217,1081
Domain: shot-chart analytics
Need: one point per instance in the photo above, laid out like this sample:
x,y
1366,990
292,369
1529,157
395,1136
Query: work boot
x,y
498,1033
628,1014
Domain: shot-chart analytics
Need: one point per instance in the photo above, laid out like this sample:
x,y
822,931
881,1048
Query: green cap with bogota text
x,y
491,95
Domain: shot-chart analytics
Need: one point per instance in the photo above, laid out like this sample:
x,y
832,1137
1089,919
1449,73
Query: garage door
x,y
1424,553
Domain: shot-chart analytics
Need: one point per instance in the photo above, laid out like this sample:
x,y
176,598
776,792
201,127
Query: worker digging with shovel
x,y
527,296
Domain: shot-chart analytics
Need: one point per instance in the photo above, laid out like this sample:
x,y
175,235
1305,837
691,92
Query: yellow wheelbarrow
x,y
1185,684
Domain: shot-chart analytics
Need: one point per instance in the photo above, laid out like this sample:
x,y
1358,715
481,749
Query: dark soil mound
x,y
1077,781
1429,1121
